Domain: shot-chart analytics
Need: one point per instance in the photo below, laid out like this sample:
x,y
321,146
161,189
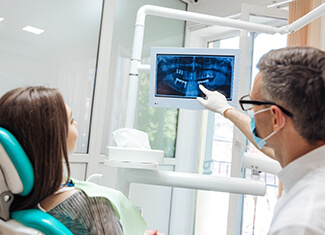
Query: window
x,y
258,211
160,124
212,207
63,56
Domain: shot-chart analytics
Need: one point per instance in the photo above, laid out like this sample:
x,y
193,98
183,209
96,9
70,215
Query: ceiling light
x,y
1,19
33,30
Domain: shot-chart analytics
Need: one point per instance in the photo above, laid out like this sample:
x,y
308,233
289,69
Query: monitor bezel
x,y
189,103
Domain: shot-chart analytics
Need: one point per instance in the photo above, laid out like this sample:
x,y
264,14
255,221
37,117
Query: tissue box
x,y
135,158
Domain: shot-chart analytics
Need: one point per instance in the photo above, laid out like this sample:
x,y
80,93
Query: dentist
x,y
287,122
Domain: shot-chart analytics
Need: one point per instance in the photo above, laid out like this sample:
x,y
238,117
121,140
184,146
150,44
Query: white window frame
x,y
235,201
84,165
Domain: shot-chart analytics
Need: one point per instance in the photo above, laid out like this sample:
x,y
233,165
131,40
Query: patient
x,y
48,133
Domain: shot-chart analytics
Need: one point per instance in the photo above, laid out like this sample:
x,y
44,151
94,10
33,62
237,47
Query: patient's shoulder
x,y
83,214
55,199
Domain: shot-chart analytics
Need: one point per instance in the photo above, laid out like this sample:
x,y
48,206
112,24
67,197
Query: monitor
x,y
176,73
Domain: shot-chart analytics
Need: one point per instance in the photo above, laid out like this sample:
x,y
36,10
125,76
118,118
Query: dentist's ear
x,y
278,118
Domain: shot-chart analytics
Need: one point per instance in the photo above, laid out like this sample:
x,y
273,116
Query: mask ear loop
x,y
261,111
273,133
284,120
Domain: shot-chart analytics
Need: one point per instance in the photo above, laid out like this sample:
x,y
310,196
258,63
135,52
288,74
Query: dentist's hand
x,y
214,101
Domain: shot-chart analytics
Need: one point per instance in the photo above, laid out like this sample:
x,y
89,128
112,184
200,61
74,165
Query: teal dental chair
x,y
17,177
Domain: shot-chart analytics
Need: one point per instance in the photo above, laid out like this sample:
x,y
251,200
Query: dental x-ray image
x,y
181,75
177,72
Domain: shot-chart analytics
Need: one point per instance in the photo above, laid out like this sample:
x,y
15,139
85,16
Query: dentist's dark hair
x,y
294,77
39,116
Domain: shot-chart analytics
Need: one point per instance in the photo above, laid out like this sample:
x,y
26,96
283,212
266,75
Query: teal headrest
x,y
18,159
19,175
41,221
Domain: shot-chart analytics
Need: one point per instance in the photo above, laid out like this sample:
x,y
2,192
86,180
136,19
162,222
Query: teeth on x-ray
x,y
182,75
182,82
209,76
202,82
179,71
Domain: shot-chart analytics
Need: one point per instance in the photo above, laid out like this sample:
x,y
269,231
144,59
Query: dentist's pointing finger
x,y
204,90
214,101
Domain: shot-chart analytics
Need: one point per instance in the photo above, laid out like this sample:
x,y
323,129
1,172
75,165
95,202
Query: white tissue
x,y
131,138
133,151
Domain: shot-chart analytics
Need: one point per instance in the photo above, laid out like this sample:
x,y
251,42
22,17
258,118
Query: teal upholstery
x,y
19,159
33,218
41,221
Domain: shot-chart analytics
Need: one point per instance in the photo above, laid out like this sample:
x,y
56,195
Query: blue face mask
x,y
259,141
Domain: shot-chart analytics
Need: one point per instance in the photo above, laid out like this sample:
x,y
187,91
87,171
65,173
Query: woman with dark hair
x,y
44,126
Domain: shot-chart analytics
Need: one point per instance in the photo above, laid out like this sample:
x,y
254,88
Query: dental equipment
x,y
126,176
141,166
260,162
94,176
176,74
200,18
257,162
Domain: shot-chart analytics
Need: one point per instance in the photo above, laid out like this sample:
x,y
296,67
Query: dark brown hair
x,y
294,77
39,116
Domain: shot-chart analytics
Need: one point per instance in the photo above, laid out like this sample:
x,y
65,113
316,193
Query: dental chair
x,y
17,177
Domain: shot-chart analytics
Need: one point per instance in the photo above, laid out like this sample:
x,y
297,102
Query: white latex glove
x,y
214,101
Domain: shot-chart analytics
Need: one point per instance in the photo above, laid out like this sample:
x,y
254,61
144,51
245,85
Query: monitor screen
x,y
176,74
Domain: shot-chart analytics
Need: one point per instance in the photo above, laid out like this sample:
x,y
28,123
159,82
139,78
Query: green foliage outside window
x,y
159,123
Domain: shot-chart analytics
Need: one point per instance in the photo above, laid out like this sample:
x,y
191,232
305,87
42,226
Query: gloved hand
x,y
214,101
